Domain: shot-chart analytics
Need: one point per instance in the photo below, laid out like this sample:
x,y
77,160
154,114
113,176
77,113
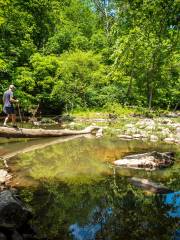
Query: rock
x,y
16,236
178,130
35,123
13,214
29,237
153,138
2,236
99,133
172,115
165,131
151,160
4,176
72,125
132,130
166,121
174,125
112,116
150,127
145,122
143,134
125,136
129,126
149,185
137,136
169,140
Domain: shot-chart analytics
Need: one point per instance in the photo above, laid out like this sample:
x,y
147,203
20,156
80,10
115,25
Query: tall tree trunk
x,y
150,98
129,90
102,7
149,88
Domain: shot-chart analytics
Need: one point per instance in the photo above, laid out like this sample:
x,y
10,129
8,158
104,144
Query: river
x,y
76,193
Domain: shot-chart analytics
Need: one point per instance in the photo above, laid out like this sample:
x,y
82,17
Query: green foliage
x,y
78,72
78,54
144,51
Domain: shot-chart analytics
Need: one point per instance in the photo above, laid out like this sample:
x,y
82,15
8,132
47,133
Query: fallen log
x,y
149,185
148,161
36,133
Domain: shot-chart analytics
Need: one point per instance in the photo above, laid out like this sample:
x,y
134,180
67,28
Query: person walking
x,y
8,107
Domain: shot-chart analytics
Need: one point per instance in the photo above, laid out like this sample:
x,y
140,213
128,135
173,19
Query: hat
x,y
12,86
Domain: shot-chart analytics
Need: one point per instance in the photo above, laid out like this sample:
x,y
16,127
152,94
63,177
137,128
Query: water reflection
x,y
83,159
173,199
100,210
96,221
75,194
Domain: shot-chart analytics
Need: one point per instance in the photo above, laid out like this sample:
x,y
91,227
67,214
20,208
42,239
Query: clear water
x,y
76,193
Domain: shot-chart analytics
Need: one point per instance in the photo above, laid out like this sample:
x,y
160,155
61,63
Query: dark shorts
x,y
9,110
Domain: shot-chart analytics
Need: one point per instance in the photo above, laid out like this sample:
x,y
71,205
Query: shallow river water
x,y
76,193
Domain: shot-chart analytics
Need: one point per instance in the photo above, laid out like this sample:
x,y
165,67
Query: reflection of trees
x,y
173,181
134,215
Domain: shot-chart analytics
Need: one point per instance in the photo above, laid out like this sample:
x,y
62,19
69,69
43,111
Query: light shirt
x,y
6,98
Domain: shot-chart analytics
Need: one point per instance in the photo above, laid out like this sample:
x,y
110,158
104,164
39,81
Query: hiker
x,y
8,107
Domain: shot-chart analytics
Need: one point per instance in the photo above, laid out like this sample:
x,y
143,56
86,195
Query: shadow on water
x,y
75,193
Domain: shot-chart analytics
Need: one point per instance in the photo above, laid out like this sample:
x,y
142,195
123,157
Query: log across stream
x,y
35,133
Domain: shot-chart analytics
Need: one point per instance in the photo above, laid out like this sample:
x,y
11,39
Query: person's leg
x,y
13,119
5,121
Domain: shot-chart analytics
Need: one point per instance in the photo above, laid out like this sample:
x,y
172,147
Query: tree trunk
x,y
150,98
176,107
35,133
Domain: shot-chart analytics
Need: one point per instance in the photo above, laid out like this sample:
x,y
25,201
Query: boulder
x,y
13,214
152,160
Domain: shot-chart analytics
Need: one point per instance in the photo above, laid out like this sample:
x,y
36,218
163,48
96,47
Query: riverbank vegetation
x,y
71,54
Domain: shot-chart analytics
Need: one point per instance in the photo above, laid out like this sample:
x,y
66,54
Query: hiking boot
x,y
14,126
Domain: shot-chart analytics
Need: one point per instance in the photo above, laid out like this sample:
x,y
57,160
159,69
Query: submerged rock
x,y
149,185
151,160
